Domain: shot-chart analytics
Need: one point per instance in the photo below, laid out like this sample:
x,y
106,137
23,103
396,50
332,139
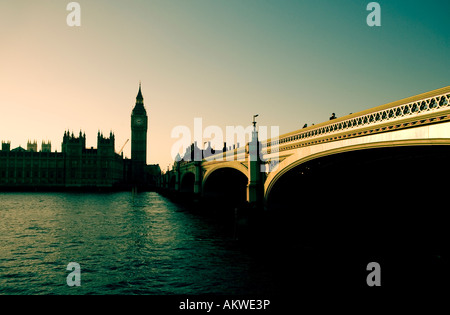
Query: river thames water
x,y
144,244
147,244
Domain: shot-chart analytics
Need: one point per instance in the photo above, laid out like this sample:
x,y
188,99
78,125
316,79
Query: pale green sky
x,y
290,61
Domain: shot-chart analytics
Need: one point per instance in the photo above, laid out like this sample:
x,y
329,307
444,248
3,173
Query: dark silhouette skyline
x,y
78,166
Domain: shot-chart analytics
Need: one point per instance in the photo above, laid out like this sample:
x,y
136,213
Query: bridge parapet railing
x,y
238,154
382,116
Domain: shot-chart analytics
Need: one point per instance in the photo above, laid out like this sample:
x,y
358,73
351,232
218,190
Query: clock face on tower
x,y
139,121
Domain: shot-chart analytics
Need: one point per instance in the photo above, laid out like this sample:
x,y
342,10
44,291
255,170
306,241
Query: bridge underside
x,y
386,198
226,187
187,183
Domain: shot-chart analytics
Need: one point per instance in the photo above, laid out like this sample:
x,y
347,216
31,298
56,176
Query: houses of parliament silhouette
x,y
79,167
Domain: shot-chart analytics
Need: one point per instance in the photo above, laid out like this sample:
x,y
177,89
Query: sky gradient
x,y
292,62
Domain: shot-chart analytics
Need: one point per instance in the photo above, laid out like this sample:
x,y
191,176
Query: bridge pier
x,y
166,180
198,178
255,188
177,178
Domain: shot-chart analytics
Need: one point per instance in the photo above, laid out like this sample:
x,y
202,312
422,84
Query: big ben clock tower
x,y
139,128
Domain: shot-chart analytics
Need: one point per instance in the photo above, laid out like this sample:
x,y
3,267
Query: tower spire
x,y
139,96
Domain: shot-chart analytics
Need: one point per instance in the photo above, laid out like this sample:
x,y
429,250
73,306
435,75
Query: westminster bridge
x,y
383,169
415,124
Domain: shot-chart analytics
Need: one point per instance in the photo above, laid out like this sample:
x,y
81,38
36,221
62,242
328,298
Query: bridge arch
x,y
172,182
426,135
225,186
187,182
376,196
229,164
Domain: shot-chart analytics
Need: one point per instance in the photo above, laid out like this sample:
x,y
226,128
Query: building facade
x,y
89,167
77,166
21,168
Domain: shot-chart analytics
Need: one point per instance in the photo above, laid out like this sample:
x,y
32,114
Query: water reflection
x,y
142,244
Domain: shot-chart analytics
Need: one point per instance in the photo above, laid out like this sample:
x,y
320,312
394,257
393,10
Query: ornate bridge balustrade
x,y
405,113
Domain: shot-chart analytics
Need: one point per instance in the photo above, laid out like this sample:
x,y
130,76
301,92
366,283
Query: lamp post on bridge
x,y
254,122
